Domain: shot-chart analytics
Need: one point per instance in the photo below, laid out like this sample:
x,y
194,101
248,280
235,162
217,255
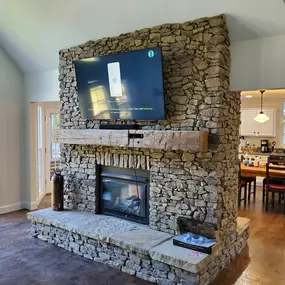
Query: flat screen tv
x,y
124,86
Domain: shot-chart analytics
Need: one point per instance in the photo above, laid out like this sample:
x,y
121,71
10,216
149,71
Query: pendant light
x,y
261,117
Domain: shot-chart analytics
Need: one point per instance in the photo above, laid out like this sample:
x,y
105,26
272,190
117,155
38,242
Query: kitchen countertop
x,y
262,153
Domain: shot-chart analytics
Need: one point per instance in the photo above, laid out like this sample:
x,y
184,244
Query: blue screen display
x,y
124,86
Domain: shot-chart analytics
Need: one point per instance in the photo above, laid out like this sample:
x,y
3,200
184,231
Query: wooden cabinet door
x,y
249,127
267,129
248,124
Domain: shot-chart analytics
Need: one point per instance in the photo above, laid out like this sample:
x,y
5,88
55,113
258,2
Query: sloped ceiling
x,y
33,31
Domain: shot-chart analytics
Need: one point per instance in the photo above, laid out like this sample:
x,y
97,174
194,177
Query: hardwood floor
x,y
263,261
45,202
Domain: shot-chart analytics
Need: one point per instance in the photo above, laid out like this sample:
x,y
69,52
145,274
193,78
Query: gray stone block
x,y
146,277
160,266
128,270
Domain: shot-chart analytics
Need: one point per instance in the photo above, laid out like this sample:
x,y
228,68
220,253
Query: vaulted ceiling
x,y
33,31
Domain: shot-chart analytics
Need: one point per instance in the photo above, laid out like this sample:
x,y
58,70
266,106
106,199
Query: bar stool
x,y
249,180
242,185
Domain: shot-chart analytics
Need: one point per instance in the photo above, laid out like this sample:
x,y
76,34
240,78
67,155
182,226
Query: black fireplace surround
x,y
124,193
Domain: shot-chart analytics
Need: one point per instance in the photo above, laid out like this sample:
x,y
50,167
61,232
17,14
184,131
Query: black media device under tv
x,y
119,127
124,86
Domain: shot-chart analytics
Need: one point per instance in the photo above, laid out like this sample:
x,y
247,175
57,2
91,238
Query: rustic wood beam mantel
x,y
192,141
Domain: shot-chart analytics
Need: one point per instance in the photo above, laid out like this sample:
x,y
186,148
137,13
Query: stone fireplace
x,y
155,186
124,193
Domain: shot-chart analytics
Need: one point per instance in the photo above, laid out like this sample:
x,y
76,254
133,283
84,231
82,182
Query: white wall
x,y
42,86
258,64
11,134
275,103
39,87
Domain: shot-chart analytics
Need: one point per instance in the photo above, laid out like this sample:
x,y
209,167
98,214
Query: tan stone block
x,y
156,155
186,156
200,64
168,39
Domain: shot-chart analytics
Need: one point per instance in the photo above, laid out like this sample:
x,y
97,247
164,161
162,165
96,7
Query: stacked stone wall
x,y
196,68
138,264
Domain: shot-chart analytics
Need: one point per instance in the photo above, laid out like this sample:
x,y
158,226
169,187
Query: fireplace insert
x,y
124,193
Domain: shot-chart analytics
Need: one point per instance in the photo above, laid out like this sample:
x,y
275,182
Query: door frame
x,y
47,110
33,126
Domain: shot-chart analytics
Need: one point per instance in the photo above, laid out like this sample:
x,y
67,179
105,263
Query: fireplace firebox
x,y
124,193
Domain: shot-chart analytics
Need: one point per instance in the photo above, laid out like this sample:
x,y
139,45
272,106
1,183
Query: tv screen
x,y
124,86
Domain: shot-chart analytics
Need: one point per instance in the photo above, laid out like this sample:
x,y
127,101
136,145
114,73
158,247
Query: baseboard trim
x,y
10,208
41,196
30,205
33,205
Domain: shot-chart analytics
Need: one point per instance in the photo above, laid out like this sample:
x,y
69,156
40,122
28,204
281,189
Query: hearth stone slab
x,y
129,236
124,234
242,224
140,240
133,248
179,257
186,259
99,227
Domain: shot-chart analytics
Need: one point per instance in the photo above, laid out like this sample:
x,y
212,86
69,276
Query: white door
x,y
247,127
52,150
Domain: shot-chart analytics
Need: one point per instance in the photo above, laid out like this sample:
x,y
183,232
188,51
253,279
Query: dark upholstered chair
x,y
273,183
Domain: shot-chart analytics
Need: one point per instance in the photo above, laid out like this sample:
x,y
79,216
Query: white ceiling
x,y
33,31
268,94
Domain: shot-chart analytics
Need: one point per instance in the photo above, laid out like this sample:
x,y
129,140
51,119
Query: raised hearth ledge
x,y
192,141
129,235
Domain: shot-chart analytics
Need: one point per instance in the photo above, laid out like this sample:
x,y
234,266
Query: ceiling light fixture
x,y
261,117
248,96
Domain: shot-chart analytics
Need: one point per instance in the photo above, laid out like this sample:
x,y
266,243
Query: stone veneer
x,y
201,186
196,68
133,248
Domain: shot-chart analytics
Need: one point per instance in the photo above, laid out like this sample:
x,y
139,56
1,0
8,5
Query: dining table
x,y
259,171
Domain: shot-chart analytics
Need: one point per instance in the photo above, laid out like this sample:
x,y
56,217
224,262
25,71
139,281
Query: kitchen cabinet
x,y
250,128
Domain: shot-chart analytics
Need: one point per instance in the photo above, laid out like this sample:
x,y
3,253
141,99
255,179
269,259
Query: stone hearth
x,y
200,186
133,248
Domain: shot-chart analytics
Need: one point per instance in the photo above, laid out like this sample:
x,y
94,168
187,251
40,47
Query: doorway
x,y
261,143
52,150
46,152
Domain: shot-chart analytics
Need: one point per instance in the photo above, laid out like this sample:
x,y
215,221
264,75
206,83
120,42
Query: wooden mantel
x,y
192,141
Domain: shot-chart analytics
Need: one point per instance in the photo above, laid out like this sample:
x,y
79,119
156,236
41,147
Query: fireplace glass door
x,y
124,193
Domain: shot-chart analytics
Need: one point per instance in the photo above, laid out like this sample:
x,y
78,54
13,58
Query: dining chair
x,y
242,185
272,180
274,183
